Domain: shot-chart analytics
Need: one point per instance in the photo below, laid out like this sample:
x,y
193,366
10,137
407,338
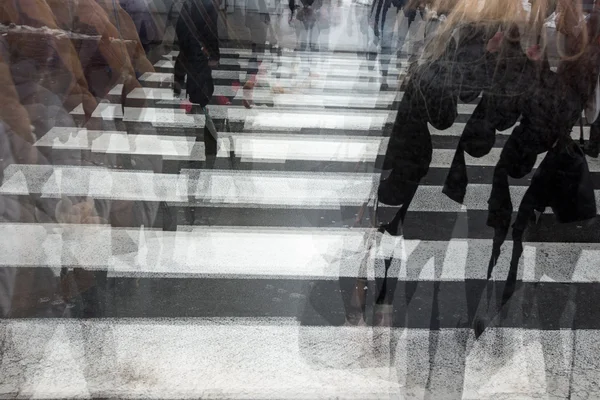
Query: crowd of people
x,y
533,65
56,56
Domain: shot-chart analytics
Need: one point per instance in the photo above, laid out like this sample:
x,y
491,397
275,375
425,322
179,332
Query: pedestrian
x,y
198,36
454,66
306,18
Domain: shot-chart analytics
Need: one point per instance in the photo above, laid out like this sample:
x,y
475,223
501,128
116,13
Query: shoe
x,y
222,100
384,87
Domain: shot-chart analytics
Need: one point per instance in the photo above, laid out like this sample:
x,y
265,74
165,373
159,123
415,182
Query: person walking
x,y
199,54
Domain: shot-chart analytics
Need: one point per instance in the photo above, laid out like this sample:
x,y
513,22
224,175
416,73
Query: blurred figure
x,y
169,37
119,57
12,112
50,59
11,210
147,27
466,57
385,24
261,27
199,54
309,17
199,50
258,21
554,106
56,55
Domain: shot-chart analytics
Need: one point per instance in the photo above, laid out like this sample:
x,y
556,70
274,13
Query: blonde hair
x,y
571,25
488,14
505,15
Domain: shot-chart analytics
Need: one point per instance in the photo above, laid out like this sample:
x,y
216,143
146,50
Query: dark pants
x,y
203,134
179,70
593,146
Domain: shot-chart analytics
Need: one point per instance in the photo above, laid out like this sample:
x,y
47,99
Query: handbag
x,y
572,198
562,182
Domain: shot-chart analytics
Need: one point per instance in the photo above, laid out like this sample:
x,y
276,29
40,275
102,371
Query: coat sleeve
x,y
38,13
205,16
11,110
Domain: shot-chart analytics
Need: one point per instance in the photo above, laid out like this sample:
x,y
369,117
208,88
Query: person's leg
x,y
259,26
259,30
302,30
325,24
207,135
477,140
313,36
179,73
274,31
404,27
354,287
386,285
252,70
373,36
593,146
387,35
362,27
210,141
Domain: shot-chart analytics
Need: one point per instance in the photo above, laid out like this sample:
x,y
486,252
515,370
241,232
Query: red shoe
x,y
186,105
222,101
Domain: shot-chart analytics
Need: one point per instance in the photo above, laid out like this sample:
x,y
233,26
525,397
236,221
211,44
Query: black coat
x,y
549,113
561,182
431,95
509,76
198,42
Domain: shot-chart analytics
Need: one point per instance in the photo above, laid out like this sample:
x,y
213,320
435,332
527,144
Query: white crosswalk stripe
x,y
302,253
323,190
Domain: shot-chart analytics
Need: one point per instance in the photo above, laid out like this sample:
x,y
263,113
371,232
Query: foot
x,y
222,101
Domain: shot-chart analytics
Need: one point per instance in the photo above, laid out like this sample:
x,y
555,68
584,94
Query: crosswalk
x,y
245,299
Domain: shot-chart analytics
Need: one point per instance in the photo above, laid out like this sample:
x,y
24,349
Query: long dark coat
x,y
199,42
